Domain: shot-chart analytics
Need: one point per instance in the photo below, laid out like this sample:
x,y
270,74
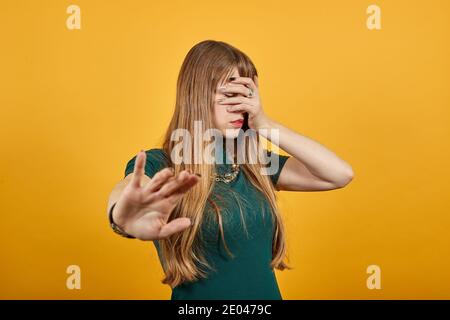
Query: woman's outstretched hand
x,y
143,211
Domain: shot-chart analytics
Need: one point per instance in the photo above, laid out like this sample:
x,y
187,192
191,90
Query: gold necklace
x,y
228,176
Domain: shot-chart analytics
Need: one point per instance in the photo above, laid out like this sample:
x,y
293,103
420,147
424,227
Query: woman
x,y
216,226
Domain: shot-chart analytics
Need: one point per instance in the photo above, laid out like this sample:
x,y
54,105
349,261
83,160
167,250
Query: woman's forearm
x,y
320,161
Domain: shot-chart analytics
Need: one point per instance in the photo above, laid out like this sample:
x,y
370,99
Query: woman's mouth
x,y
237,123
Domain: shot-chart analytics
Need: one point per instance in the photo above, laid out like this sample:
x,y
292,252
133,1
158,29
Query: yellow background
x,y
76,105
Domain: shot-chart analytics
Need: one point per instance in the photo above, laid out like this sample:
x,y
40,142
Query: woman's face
x,y
227,122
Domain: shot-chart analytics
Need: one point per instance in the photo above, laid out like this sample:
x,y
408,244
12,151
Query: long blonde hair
x,y
206,64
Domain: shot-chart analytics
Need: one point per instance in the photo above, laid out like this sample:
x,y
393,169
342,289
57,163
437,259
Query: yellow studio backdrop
x,y
77,104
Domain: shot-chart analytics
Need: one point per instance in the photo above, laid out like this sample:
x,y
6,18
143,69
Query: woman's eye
x,y
229,95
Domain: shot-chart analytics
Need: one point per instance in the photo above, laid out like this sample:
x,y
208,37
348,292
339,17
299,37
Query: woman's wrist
x,y
264,126
116,228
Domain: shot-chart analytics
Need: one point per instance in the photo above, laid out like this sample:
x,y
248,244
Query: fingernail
x,y
192,222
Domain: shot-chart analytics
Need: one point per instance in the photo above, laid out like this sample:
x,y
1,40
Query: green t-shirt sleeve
x,y
156,161
281,162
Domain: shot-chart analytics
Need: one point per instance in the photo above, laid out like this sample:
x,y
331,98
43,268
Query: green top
x,y
248,275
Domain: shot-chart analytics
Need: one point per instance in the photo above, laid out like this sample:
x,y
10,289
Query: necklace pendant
x,y
229,176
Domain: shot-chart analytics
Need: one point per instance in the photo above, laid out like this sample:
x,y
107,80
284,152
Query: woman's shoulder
x,y
156,160
157,154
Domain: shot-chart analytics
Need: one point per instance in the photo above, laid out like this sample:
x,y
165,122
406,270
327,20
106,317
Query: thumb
x,y
174,226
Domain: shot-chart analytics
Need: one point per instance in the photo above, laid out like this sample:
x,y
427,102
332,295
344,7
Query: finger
x,y
158,180
174,226
234,100
138,171
256,81
172,184
239,88
181,184
240,108
178,193
244,80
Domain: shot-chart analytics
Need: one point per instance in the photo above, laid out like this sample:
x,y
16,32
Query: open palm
x,y
143,210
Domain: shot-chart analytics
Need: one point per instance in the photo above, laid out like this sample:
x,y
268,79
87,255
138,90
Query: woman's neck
x,y
230,147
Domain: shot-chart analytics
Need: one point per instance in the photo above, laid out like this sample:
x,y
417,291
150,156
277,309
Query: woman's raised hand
x,y
143,211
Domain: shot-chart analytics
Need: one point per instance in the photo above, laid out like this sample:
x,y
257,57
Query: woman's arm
x,y
311,167
115,194
144,204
